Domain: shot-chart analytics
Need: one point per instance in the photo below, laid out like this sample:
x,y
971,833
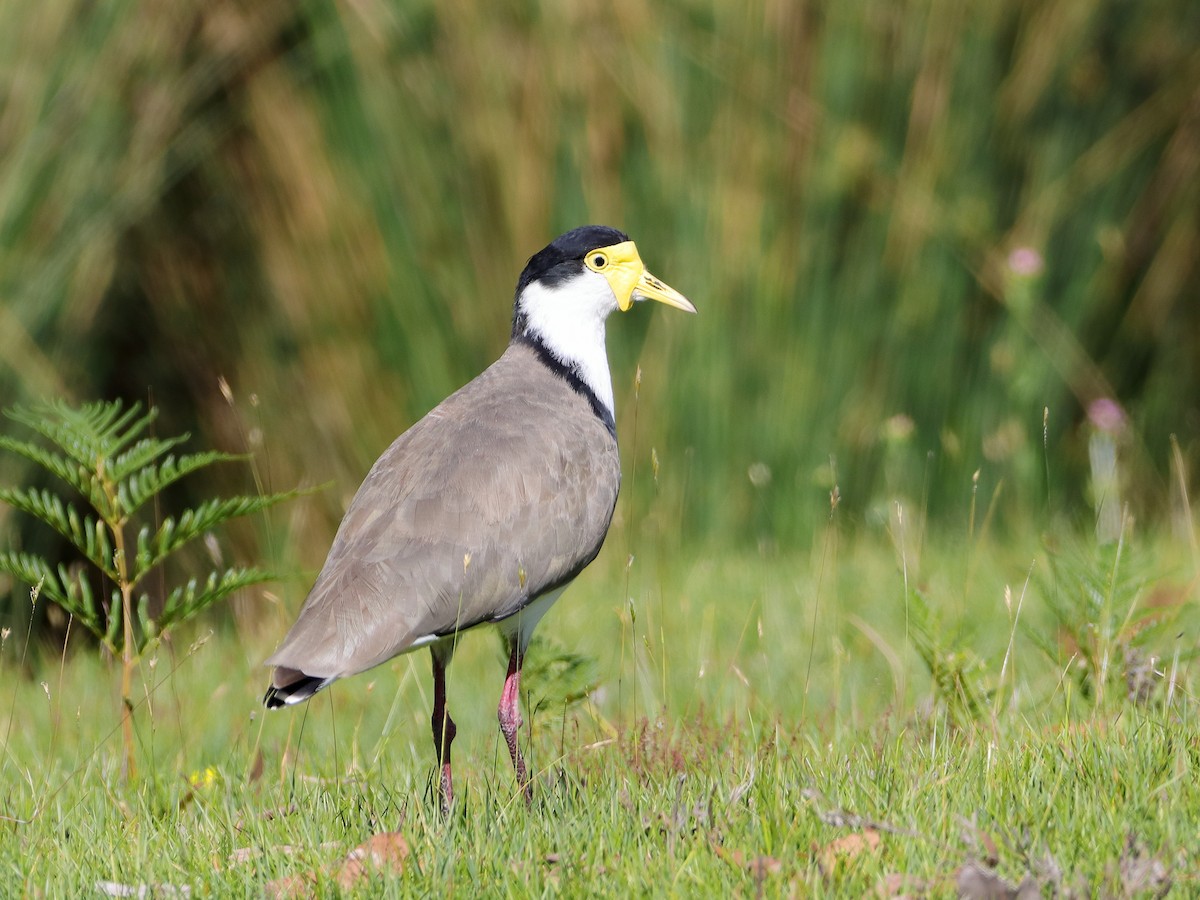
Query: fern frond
x,y
139,486
90,537
187,600
557,677
32,570
79,591
193,523
93,432
956,674
113,635
64,469
101,450
104,622
141,454
69,589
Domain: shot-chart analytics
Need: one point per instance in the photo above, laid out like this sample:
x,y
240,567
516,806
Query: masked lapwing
x,y
487,508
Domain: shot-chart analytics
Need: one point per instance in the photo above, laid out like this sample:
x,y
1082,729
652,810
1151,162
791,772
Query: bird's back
x,y
501,493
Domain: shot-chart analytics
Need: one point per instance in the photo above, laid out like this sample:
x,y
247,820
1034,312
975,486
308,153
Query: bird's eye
x,y
599,261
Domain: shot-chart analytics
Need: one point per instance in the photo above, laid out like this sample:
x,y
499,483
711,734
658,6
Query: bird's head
x,y
580,278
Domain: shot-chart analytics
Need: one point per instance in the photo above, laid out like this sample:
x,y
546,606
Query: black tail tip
x,y
297,690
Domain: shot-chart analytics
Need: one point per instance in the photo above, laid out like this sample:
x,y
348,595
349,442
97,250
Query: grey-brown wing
x,y
503,492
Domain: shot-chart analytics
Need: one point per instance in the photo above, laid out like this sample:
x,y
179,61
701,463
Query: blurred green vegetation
x,y
910,227
926,240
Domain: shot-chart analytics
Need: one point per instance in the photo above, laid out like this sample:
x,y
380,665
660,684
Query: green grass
x,y
324,207
749,711
334,202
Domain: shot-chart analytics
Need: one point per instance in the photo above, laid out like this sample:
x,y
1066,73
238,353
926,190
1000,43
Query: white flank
x,y
569,319
527,619
522,622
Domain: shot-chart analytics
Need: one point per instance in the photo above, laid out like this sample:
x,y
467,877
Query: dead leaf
x,y
895,886
758,866
292,886
892,886
899,886
762,866
241,855
380,854
847,847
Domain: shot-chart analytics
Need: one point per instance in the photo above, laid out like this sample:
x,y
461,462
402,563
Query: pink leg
x,y
443,730
509,714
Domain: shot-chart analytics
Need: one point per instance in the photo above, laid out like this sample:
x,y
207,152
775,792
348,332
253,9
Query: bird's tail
x,y
290,686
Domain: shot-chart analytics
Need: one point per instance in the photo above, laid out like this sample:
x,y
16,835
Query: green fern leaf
x,y
62,468
70,590
76,592
101,450
193,523
114,635
89,612
89,536
143,560
32,571
187,600
555,678
140,486
956,674
89,434
141,455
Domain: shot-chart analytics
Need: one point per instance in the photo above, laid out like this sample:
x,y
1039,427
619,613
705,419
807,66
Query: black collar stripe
x,y
570,374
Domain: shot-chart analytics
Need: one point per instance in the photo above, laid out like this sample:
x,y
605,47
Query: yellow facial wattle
x,y
629,280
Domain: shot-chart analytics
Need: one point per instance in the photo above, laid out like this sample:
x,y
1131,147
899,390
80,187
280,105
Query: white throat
x,y
569,321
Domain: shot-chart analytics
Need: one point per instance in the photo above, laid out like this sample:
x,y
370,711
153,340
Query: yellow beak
x,y
630,282
650,288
